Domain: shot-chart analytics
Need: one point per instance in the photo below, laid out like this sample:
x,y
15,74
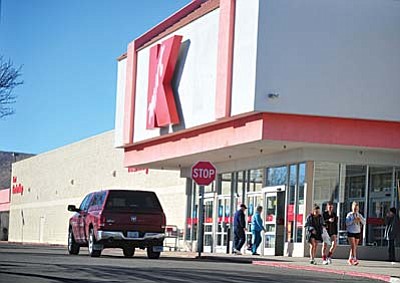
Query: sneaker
x,y
393,262
255,254
236,252
329,260
350,261
355,261
325,262
312,261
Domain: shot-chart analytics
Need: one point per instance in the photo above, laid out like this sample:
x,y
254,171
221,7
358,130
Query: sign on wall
x,y
17,188
161,106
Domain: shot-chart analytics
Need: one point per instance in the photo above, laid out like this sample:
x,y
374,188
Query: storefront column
x,y
232,210
309,188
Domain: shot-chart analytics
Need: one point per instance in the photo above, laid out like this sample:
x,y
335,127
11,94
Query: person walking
x,y
239,228
354,220
314,226
256,228
392,231
331,225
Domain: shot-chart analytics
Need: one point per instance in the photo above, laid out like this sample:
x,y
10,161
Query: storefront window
x,y
255,180
326,187
354,181
210,188
381,197
277,176
326,183
397,186
194,219
295,202
226,180
300,201
291,209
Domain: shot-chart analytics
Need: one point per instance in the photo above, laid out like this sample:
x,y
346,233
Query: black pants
x,y
239,239
392,256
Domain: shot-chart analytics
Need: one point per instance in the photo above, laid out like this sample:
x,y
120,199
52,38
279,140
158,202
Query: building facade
x,y
6,160
51,181
294,103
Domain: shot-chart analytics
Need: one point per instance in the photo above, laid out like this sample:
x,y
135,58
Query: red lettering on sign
x,y
14,179
137,169
17,189
161,107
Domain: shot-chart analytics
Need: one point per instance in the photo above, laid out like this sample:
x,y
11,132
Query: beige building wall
x,y
54,179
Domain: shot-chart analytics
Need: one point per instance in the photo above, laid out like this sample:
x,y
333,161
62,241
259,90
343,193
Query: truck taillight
x,y
101,221
163,220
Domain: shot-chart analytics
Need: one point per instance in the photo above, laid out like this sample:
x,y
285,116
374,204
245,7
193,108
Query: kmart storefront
x,y
282,191
246,85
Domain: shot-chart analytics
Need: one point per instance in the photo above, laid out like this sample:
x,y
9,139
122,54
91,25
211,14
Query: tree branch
x,y
9,79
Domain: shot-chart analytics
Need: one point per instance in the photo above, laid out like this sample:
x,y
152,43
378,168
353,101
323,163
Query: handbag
x,y
325,236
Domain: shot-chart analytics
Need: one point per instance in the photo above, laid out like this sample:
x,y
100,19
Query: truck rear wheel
x,y
128,251
151,254
92,243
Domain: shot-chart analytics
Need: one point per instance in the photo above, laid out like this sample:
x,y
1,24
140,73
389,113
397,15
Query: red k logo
x,y
161,107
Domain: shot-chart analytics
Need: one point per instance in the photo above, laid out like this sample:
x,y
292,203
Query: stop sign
x,y
203,173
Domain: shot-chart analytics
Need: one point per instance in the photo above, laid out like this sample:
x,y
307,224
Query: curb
x,y
385,278
27,244
226,259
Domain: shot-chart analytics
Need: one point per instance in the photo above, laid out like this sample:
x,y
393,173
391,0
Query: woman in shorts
x,y
314,225
354,220
331,224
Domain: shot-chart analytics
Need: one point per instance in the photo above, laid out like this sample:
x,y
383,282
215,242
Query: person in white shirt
x,y
354,220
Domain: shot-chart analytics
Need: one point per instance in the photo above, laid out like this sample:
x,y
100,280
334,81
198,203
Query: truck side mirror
x,y
72,208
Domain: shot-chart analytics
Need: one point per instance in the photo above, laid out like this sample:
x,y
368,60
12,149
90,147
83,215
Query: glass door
x,y
223,223
208,224
270,206
381,197
253,200
274,220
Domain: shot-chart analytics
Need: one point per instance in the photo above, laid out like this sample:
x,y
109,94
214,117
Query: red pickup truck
x,y
117,219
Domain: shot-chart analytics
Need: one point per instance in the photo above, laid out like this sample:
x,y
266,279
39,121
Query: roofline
x,y
171,20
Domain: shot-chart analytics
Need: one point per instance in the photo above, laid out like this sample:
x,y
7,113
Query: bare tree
x,y
8,81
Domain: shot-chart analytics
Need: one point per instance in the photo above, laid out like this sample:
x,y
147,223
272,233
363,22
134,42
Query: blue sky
x,y
68,49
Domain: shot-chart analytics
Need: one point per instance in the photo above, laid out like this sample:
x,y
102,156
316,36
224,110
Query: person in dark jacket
x,y
239,228
392,231
314,226
331,224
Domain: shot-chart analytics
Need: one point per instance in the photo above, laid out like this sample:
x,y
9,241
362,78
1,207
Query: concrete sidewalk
x,y
379,270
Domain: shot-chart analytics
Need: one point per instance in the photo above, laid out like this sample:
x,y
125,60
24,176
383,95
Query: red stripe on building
x,y
268,127
331,131
225,59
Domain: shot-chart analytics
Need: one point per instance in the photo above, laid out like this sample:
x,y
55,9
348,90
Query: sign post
x,y
203,173
200,227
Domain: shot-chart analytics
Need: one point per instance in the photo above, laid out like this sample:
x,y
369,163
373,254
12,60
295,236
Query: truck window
x,y
134,200
98,199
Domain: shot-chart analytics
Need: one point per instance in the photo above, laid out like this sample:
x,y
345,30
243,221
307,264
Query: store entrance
x,y
274,218
378,208
208,223
223,223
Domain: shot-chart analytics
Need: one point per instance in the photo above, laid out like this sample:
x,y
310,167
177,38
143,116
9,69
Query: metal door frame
x,y
272,191
209,197
226,200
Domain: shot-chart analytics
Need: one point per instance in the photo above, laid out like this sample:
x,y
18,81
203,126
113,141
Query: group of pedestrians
x,y
320,228
324,228
239,228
